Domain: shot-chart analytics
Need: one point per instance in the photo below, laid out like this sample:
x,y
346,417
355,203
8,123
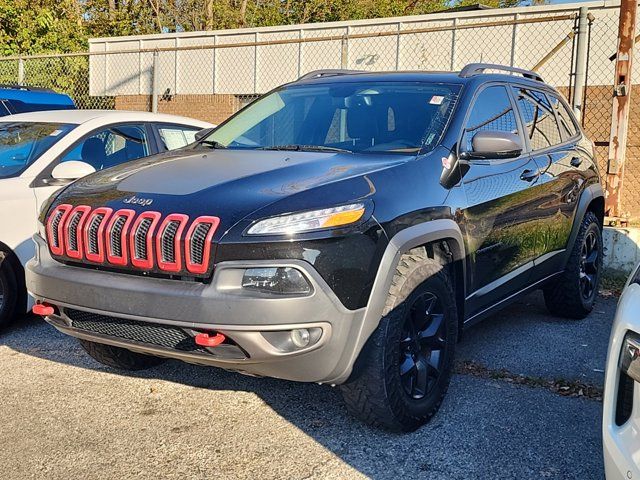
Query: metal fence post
x,y
154,82
21,71
453,45
514,39
398,49
344,51
621,107
581,61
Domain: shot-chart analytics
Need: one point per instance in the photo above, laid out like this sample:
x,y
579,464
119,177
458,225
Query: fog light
x,y
293,340
300,337
278,280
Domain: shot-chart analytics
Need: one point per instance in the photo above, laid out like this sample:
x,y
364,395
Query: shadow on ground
x,y
485,428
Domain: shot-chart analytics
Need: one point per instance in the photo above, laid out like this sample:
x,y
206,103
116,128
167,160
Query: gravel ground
x,y
65,416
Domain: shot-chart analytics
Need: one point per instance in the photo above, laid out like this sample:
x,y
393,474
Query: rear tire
x,y
119,358
403,372
573,294
8,294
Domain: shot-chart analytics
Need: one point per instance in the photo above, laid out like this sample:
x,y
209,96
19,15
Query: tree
x,y
35,26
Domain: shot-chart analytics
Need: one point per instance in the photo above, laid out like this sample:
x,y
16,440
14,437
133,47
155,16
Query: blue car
x,y
21,99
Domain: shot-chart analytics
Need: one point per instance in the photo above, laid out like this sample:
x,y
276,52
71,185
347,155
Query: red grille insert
x,y
141,239
55,231
116,236
125,238
73,228
94,228
168,242
198,243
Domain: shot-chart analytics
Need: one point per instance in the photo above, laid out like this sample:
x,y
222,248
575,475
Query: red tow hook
x,y
206,340
43,309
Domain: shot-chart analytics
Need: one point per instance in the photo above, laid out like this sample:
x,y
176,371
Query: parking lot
x,y
524,405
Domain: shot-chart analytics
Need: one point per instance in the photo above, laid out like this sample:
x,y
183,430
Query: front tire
x,y
403,372
8,293
119,358
573,294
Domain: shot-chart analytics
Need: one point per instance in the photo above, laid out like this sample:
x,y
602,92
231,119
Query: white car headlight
x,y
307,221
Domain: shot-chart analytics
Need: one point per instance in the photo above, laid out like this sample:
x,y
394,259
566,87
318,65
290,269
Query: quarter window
x,y
175,136
538,118
493,111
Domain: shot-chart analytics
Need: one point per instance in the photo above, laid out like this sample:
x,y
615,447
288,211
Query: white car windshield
x,y
22,143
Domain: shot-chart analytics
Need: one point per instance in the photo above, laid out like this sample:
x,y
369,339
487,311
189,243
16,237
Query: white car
x,y
621,409
40,152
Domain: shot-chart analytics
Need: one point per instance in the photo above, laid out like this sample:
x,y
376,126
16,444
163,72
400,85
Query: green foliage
x,y
38,26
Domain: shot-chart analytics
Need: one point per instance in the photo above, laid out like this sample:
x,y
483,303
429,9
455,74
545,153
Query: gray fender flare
x,y
589,194
401,243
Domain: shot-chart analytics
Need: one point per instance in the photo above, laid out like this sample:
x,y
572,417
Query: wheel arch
x,y
18,270
591,200
424,234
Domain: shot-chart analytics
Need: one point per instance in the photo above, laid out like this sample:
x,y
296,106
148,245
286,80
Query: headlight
x,y
307,221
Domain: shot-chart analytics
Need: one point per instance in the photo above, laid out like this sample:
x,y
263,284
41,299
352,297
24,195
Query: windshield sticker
x,y
55,133
436,100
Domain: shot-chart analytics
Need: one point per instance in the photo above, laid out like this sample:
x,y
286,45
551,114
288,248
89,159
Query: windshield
x,y
391,117
21,143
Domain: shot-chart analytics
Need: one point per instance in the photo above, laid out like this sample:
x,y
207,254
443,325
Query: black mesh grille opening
x,y
133,330
94,225
624,402
197,242
115,237
54,228
141,239
73,231
167,241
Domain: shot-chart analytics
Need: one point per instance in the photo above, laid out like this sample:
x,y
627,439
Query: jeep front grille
x,y
129,239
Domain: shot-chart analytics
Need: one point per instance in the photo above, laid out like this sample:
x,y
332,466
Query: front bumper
x,y
621,405
249,320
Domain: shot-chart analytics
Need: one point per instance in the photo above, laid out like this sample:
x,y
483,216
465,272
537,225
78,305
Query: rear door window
x,y
538,118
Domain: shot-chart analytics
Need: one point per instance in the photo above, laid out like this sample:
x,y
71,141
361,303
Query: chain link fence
x,y
210,75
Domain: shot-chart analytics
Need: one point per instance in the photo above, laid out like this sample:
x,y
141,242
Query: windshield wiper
x,y
305,148
212,144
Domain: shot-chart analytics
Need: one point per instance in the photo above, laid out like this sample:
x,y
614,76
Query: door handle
x,y
529,175
576,161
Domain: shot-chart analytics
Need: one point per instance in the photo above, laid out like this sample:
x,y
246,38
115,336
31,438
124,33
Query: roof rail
x,y
478,68
24,87
328,73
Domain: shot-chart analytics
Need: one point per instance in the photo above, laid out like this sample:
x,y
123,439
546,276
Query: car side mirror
x,y
205,132
71,170
492,144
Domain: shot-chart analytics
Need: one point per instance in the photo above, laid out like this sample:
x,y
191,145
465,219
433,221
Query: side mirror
x,y
71,170
490,144
205,132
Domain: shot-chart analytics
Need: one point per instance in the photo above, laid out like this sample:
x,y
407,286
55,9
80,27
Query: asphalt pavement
x,y
65,416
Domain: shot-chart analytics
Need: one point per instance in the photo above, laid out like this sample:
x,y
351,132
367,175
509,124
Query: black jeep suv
x,y
343,229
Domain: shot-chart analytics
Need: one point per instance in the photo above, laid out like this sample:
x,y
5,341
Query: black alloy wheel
x,y
421,347
589,266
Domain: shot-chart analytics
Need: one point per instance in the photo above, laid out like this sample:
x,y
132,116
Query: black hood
x,y
230,184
